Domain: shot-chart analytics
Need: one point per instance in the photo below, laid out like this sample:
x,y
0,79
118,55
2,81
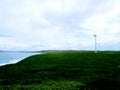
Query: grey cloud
x,y
35,21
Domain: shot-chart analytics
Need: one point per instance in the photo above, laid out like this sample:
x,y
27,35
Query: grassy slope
x,y
93,70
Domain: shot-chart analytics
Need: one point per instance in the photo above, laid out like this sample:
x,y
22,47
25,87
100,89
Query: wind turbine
x,y
95,42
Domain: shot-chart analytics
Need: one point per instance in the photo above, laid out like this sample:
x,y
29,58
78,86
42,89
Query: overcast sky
x,y
59,24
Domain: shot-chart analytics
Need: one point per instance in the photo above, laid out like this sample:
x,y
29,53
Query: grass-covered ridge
x,y
65,70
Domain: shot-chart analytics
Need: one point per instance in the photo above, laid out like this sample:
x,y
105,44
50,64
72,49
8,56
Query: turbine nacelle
x,y
95,35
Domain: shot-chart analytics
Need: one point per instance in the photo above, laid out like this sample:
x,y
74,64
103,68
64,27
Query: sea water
x,y
13,57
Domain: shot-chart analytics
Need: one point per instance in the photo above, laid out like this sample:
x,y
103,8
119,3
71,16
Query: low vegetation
x,y
64,70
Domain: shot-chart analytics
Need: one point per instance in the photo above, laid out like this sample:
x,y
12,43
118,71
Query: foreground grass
x,y
47,85
64,70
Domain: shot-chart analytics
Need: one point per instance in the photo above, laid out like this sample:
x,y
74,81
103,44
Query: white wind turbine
x,y
95,42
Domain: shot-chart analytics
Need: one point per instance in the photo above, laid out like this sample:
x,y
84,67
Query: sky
x,y
59,24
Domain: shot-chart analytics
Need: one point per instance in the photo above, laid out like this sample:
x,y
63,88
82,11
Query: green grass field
x,y
64,70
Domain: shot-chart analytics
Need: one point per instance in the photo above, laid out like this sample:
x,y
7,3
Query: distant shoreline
x,y
23,51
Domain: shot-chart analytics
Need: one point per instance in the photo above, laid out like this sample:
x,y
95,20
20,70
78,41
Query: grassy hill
x,y
64,70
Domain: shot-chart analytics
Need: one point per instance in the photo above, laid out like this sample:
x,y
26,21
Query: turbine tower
x,y
95,43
